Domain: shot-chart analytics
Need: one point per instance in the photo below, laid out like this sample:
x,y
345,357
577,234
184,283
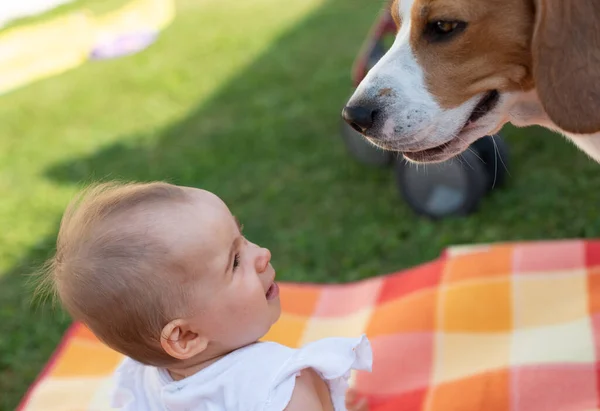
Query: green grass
x,y
244,99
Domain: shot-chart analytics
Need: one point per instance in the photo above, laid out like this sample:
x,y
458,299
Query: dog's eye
x,y
441,30
445,27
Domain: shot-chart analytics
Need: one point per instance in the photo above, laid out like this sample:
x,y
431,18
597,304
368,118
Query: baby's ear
x,y
180,341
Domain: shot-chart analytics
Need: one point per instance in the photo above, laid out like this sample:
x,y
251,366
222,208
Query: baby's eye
x,y
236,261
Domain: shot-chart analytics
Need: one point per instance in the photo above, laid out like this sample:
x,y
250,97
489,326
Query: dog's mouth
x,y
485,105
454,146
435,154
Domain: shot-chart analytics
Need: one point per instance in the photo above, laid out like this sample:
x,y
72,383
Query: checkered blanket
x,y
487,328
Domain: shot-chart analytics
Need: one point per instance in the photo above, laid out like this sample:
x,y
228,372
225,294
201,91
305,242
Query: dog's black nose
x,y
361,118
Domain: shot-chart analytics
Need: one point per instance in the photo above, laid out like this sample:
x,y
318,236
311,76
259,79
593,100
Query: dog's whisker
x,y
471,150
496,155
499,156
469,164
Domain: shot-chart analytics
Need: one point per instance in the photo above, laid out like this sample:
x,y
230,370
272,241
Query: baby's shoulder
x,y
333,359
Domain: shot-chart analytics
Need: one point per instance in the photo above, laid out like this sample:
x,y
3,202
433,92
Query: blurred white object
x,y
48,47
15,9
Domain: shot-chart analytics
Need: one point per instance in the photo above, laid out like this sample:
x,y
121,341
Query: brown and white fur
x,y
542,57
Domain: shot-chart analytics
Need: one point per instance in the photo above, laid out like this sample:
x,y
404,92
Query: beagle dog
x,y
460,69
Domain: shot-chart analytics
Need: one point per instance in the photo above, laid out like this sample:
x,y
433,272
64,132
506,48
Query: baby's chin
x,y
276,305
275,311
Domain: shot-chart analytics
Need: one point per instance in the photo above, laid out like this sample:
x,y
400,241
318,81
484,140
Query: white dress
x,y
259,377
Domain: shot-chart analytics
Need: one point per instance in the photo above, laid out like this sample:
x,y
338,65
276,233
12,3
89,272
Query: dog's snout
x,y
360,118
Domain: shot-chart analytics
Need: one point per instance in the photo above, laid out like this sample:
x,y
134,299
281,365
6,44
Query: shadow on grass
x,y
269,144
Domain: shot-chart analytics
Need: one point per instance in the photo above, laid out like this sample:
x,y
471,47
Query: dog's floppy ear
x,y
566,62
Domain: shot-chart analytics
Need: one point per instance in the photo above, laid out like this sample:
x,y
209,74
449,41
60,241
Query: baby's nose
x,y
263,260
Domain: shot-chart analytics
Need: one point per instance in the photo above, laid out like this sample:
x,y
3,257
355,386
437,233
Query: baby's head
x,y
162,273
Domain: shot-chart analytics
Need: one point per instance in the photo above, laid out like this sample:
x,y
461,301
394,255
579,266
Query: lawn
x,y
244,99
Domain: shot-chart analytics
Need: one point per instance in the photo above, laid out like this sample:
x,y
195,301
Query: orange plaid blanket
x,y
492,327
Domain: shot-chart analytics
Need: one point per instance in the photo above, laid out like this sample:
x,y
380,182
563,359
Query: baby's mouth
x,y
272,292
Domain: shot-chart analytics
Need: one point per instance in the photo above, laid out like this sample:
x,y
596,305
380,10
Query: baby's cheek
x,y
246,305
248,300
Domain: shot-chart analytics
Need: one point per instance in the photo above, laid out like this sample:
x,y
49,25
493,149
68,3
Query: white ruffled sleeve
x,y
332,358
